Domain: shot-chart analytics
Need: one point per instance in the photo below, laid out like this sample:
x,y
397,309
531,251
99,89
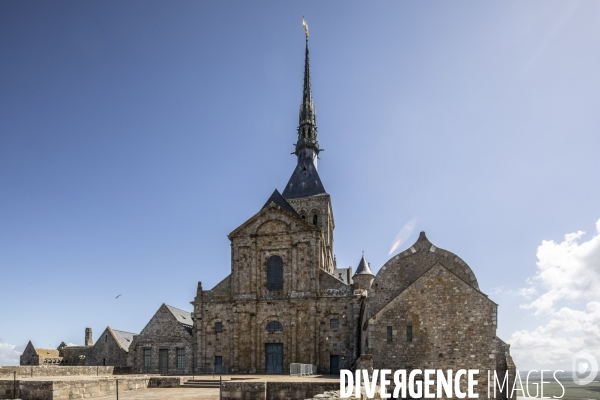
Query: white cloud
x,y
568,278
10,353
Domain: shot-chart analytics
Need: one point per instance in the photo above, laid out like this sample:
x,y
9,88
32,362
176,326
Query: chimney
x,y
88,337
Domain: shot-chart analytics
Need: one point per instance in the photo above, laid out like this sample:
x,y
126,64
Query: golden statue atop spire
x,y
305,25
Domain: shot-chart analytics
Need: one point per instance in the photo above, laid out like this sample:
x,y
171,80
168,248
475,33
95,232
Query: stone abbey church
x,y
285,301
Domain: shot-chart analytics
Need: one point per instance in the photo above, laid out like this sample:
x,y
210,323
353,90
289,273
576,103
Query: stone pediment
x,y
271,219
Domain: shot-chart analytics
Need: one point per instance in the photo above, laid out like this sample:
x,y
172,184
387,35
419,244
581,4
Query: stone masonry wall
x,y
166,333
82,388
75,355
405,268
235,390
53,370
107,351
310,299
453,327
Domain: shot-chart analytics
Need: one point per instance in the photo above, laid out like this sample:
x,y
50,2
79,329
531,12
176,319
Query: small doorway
x,y
274,358
334,365
163,361
218,364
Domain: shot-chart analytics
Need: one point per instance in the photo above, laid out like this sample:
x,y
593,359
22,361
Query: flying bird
x,y
117,296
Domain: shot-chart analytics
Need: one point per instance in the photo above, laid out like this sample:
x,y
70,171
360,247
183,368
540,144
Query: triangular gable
x,y
162,316
422,276
30,349
271,206
278,199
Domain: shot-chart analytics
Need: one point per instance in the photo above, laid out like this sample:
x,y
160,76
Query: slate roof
x,y
343,274
363,267
278,199
304,182
183,317
47,353
124,338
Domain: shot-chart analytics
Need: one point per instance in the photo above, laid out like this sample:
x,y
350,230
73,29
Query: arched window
x,y
275,273
274,326
315,219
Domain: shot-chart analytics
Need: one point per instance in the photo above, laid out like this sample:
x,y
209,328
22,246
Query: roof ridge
x,y
116,330
189,312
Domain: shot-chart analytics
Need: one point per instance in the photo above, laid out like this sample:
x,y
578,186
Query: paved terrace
x,y
175,393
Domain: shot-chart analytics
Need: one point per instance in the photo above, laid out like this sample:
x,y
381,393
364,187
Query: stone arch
x,y
314,217
274,326
284,337
404,268
270,318
303,214
272,227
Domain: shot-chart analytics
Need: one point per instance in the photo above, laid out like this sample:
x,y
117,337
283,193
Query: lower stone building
x,y
34,356
164,345
111,348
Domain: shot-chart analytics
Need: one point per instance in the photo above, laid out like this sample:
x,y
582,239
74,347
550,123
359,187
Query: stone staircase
x,y
201,383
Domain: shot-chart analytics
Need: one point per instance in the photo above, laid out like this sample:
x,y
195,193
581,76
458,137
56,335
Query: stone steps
x,y
201,383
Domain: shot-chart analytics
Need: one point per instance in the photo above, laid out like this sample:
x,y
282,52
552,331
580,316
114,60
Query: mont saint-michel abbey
x,y
285,301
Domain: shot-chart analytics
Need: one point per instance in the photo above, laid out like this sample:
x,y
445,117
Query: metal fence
x,y
302,369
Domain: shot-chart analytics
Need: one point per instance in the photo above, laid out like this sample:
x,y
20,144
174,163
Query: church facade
x,y
285,301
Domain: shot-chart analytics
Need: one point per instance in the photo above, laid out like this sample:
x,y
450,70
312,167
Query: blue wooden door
x,y
274,358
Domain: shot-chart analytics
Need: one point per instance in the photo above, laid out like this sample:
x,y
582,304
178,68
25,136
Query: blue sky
x,y
134,136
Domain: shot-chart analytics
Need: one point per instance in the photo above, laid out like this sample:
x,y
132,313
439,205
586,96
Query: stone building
x,y
111,349
164,345
34,356
285,301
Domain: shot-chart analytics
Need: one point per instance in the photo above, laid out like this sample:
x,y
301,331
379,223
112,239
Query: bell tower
x,y
305,191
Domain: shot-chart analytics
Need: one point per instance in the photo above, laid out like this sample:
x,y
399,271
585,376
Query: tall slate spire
x,y
305,179
307,125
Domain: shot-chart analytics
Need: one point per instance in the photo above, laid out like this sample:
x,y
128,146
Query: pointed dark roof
x,y
304,182
363,267
278,199
183,317
124,338
307,118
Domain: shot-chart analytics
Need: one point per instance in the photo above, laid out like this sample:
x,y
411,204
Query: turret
x,y
363,277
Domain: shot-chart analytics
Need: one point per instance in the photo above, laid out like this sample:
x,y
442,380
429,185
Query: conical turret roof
x,y
363,267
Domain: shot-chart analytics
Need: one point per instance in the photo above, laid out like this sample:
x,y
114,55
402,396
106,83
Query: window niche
x,y
274,273
274,326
